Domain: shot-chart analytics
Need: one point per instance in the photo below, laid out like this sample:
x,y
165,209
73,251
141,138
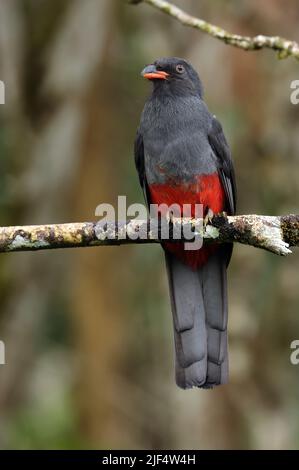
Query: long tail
x,y
199,308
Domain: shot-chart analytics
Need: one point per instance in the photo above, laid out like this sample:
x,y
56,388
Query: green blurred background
x,y
88,332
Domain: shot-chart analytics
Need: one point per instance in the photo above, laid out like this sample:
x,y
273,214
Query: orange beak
x,y
151,73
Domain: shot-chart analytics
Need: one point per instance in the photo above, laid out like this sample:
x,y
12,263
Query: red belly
x,y
208,191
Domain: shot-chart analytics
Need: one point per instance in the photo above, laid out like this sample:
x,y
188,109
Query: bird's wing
x,y
226,172
139,163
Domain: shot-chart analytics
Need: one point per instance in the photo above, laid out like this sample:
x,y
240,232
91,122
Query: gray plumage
x,y
178,139
199,308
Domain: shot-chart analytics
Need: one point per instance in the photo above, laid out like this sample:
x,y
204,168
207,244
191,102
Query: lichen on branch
x,y
272,233
284,47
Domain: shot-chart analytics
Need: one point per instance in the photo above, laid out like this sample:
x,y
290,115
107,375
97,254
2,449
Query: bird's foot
x,y
208,218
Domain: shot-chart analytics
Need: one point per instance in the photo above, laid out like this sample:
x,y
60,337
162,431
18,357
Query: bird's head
x,y
173,75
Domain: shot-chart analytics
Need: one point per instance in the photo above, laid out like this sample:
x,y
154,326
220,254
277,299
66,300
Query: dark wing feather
x,y
221,149
139,163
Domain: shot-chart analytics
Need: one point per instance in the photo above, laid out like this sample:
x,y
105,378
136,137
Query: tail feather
x,y
215,300
193,375
199,308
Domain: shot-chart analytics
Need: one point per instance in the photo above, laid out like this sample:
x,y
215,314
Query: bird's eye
x,y
180,68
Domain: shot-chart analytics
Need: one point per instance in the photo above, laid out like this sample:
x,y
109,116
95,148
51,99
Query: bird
x,y
183,157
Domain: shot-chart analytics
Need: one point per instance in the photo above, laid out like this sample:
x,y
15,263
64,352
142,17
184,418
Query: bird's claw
x,y
208,218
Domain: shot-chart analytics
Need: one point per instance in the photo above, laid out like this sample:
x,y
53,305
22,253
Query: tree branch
x,y
271,233
284,47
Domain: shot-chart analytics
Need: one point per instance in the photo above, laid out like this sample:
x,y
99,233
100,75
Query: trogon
x,y
182,157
